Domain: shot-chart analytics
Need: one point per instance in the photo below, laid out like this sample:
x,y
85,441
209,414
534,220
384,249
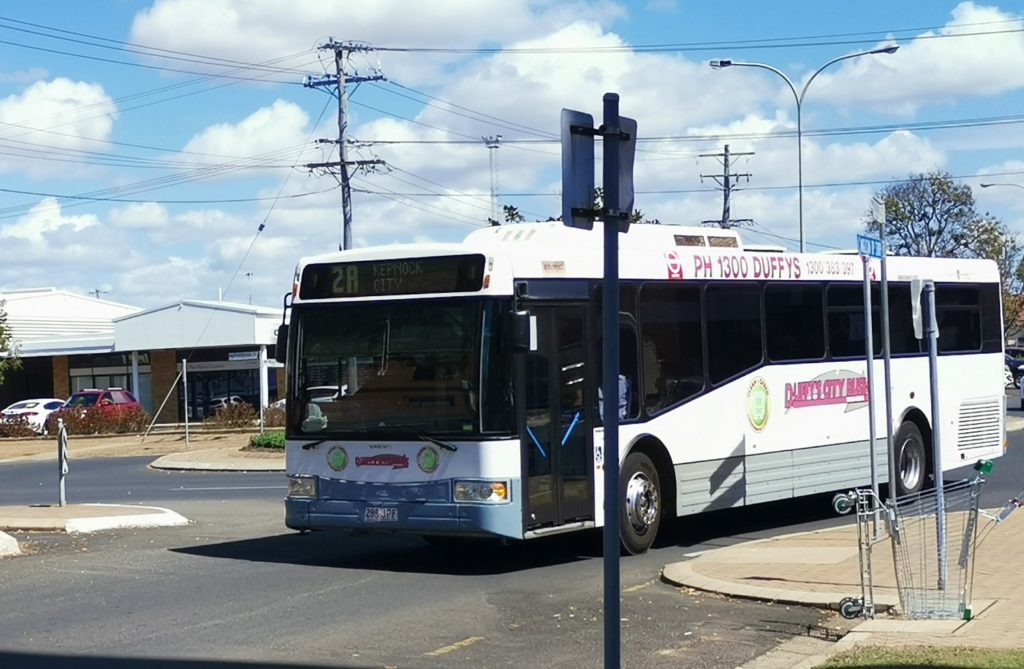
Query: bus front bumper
x,y
412,517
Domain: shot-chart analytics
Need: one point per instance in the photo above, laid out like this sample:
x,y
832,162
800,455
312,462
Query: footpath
x,y
823,567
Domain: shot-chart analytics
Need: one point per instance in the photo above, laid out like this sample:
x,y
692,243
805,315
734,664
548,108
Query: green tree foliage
x,y
9,360
930,214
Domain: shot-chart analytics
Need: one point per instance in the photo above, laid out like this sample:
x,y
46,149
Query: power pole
x,y
492,144
725,183
338,81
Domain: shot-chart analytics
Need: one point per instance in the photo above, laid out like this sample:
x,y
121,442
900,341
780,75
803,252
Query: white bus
x,y
465,380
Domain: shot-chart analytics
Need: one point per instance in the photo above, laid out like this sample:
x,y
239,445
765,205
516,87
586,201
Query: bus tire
x,y
640,496
911,459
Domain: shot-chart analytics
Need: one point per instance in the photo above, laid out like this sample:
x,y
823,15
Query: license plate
x,y
380,514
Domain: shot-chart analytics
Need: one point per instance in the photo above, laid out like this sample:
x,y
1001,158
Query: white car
x,y
35,412
218,403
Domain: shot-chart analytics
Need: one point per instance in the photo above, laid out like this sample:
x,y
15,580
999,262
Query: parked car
x,y
1015,352
218,403
110,400
326,393
1016,367
34,412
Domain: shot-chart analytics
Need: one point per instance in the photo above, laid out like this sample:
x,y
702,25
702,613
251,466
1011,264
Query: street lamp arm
x,y
803,91
764,66
1002,184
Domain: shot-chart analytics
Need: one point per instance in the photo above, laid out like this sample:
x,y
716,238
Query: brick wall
x,y
282,383
162,365
61,377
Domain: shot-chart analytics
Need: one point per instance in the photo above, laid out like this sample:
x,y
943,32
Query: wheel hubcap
x,y
911,464
641,502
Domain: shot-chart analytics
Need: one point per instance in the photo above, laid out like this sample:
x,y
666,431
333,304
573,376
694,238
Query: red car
x,y
110,400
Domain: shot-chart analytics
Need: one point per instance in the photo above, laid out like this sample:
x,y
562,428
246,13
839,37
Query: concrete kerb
x,y
218,460
87,518
8,545
158,517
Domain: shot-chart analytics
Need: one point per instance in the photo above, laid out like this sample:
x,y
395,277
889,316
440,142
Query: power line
x,y
680,47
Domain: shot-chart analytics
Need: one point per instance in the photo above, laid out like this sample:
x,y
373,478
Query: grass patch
x,y
272,440
911,657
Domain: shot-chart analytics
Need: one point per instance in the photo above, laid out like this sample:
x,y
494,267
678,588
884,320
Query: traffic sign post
x,y
619,143
869,354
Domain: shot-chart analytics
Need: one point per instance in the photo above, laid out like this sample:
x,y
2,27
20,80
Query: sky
x,y
157,151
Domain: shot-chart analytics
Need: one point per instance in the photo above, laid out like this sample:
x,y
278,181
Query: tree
x,y
9,360
930,214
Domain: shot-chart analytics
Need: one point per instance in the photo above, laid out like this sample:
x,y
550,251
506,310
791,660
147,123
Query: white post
x,y
62,459
184,381
264,386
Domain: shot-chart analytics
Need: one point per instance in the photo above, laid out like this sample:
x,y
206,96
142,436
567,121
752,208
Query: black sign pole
x,y
610,381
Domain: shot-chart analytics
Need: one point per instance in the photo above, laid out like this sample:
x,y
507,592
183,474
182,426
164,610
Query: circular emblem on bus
x,y
337,458
758,404
428,459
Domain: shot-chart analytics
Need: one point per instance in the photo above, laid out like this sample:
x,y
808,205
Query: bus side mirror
x,y
523,331
281,348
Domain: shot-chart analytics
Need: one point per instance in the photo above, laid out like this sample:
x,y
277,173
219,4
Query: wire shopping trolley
x,y
934,539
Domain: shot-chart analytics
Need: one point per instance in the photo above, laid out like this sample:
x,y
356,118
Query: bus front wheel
x,y
911,459
640,495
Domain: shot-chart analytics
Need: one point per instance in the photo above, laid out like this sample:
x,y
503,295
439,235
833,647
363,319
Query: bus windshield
x,y
401,368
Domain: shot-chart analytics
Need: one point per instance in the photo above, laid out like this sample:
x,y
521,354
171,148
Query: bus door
x,y
556,438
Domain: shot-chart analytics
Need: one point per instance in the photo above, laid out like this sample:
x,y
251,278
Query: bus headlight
x,y
301,486
487,492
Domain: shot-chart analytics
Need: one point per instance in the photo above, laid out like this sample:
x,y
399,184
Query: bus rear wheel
x,y
640,495
911,459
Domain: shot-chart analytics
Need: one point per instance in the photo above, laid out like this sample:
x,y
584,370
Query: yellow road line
x,y
455,646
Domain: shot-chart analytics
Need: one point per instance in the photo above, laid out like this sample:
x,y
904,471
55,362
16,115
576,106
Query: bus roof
x,y
653,251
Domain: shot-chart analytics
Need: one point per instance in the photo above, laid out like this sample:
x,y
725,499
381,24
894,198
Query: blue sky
x,y
144,143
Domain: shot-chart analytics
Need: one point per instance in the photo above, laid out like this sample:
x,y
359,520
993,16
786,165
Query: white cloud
x,y
28,76
140,216
50,116
935,67
283,126
43,219
163,282
251,31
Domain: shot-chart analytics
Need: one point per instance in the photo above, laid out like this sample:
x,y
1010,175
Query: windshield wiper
x,y
438,442
416,435
312,444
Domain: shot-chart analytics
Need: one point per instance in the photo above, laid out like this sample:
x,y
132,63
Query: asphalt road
x,y
236,589
130,481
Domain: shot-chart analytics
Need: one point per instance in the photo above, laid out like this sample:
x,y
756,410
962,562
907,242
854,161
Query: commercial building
x,y
179,359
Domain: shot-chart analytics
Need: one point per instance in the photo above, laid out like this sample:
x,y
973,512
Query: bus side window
x,y
673,361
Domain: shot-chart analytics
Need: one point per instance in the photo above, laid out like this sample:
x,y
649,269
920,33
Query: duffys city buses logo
x,y
758,404
337,458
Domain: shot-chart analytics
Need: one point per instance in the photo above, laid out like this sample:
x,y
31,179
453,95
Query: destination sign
x,y
395,276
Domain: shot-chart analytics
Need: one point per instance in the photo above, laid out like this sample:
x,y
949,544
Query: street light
x,y
1001,184
799,97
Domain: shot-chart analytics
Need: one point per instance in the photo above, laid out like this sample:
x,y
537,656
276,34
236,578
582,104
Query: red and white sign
x,y
674,265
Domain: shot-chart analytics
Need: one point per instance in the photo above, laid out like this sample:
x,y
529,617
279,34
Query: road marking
x,y
455,646
637,587
240,487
